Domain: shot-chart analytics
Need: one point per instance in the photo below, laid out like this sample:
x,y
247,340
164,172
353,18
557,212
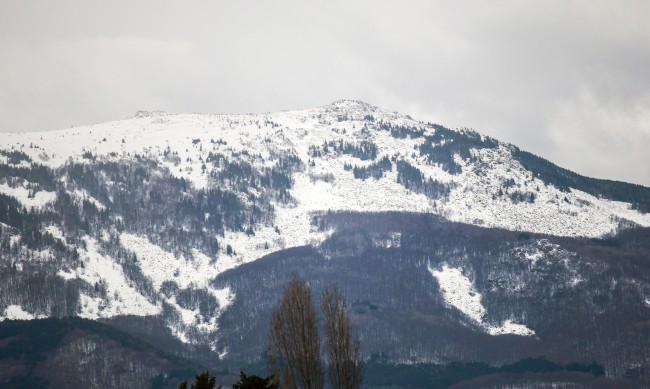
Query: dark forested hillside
x,y
584,298
77,353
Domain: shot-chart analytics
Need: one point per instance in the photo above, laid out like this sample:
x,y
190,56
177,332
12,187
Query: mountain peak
x,y
149,114
348,104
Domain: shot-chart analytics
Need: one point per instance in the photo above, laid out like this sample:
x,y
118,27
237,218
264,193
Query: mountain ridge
x,y
336,111
163,217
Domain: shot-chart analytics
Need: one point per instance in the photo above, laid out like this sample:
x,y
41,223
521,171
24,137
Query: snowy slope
x,y
267,135
459,292
325,181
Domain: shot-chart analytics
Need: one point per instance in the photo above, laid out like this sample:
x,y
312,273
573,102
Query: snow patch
x,y
459,292
509,327
196,271
159,265
83,195
91,307
121,297
538,249
14,240
56,232
27,198
16,312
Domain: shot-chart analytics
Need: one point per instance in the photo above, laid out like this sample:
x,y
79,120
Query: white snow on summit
x,y
471,201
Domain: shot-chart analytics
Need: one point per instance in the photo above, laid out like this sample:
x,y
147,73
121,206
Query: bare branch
x,y
294,346
342,350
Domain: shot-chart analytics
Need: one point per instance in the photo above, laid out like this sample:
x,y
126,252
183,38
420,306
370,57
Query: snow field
x,y
16,312
22,194
122,298
295,131
459,292
196,272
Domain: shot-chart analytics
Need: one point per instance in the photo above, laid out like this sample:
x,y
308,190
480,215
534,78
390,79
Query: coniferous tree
x,y
202,381
255,382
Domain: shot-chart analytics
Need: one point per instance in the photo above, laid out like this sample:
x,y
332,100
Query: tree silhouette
x,y
294,346
202,381
254,382
341,348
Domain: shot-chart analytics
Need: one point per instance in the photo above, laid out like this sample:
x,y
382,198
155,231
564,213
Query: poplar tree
x,y
294,345
344,361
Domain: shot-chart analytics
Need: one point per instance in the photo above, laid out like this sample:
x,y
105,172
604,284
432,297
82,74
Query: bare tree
x,y
294,346
341,348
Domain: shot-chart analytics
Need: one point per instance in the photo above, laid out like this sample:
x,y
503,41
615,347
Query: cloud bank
x,y
567,80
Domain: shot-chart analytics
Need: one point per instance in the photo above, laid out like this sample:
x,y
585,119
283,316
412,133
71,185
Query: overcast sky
x,y
568,80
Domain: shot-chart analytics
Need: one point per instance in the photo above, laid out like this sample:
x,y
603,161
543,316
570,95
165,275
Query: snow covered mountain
x,y
459,174
149,217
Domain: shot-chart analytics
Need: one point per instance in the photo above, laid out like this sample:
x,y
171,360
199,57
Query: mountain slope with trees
x,y
181,230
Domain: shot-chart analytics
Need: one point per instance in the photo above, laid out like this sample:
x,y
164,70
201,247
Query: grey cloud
x,y
564,79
